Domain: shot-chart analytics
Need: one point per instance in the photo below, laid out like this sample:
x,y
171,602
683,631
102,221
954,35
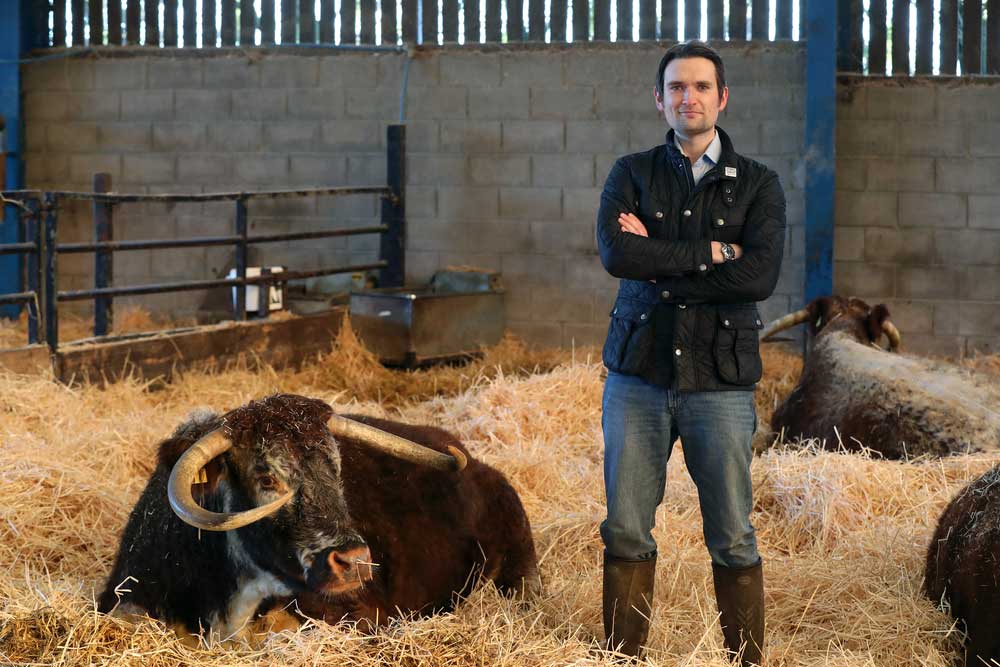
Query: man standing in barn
x,y
695,232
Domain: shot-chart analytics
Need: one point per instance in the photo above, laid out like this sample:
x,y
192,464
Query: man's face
x,y
691,101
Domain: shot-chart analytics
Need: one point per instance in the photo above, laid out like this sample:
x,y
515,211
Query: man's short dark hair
x,y
692,49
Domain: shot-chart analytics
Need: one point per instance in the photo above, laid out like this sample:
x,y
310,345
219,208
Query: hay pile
x,y
843,537
73,326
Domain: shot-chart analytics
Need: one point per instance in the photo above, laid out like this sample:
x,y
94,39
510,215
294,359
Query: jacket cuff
x,y
702,259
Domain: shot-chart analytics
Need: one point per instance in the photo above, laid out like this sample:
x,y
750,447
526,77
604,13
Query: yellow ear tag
x,y
201,477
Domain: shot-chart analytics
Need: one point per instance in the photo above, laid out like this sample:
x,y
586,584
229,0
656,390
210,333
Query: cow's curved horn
x,y
892,333
397,446
211,445
785,322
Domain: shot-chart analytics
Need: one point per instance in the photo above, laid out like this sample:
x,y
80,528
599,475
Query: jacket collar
x,y
726,165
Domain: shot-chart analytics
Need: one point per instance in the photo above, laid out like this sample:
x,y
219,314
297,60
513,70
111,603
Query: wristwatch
x,y
728,254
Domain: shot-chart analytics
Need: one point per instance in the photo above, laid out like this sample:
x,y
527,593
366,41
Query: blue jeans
x,y
641,423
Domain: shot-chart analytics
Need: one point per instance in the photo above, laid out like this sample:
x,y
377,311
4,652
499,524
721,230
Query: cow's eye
x,y
267,482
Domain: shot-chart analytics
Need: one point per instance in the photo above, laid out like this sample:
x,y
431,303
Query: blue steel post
x,y
392,245
240,304
32,265
820,150
51,283
13,42
103,259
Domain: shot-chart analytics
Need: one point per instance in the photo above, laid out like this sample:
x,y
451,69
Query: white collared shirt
x,y
708,160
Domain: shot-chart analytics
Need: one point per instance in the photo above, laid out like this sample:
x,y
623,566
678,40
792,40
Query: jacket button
x,y
758,322
720,222
681,306
659,214
614,312
677,352
643,316
665,294
687,213
725,322
702,267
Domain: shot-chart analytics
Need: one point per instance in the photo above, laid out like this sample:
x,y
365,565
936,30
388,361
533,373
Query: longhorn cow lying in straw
x,y
963,565
853,393
351,517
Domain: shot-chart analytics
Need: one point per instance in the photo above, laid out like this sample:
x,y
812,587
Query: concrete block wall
x,y
508,148
918,209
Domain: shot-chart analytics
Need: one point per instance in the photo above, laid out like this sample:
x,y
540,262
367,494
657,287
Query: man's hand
x,y
717,257
632,225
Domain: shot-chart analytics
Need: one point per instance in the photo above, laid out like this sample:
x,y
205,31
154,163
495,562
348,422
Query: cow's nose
x,y
351,564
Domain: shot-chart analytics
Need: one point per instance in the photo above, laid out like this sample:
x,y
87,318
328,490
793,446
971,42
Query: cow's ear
x,y
819,313
876,317
207,478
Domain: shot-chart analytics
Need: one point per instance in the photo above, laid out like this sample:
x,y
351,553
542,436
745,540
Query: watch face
x,y
728,252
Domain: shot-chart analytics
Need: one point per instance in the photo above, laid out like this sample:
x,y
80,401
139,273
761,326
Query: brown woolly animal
x,y
331,517
854,394
963,565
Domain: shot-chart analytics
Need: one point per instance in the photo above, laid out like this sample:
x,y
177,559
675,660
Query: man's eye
x,y
267,482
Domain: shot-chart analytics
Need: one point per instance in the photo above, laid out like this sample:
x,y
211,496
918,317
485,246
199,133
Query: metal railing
x,y
41,249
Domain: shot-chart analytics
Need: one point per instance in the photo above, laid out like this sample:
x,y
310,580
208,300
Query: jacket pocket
x,y
629,344
737,348
727,224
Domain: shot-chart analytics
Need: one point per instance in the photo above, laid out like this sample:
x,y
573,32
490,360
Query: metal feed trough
x,y
455,316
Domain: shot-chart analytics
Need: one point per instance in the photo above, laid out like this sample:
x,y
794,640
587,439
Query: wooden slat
x,y
993,37
348,30
190,22
449,21
877,41
536,20
647,19
949,36
925,36
901,27
624,22
77,6
227,31
803,8
716,19
972,34
287,21
849,46
115,21
97,23
59,22
759,22
692,20
169,22
209,31
515,20
409,26
248,22
367,35
267,18
581,21
389,29
602,20
429,21
307,22
783,19
132,21
557,17
737,20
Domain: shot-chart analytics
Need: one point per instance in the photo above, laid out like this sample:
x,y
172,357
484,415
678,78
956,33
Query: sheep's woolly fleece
x,y
843,536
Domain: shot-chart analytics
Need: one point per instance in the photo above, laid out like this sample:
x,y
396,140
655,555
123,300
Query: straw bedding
x,y
843,536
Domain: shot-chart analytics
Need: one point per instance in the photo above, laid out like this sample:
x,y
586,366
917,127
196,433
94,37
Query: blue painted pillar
x,y
820,143
13,43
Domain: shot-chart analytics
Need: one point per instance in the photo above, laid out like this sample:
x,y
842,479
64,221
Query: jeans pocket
x,y
737,346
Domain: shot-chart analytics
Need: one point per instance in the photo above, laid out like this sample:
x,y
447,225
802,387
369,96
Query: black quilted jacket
x,y
679,321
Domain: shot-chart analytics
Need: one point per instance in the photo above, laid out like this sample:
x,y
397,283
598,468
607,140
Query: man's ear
x,y
658,98
724,98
